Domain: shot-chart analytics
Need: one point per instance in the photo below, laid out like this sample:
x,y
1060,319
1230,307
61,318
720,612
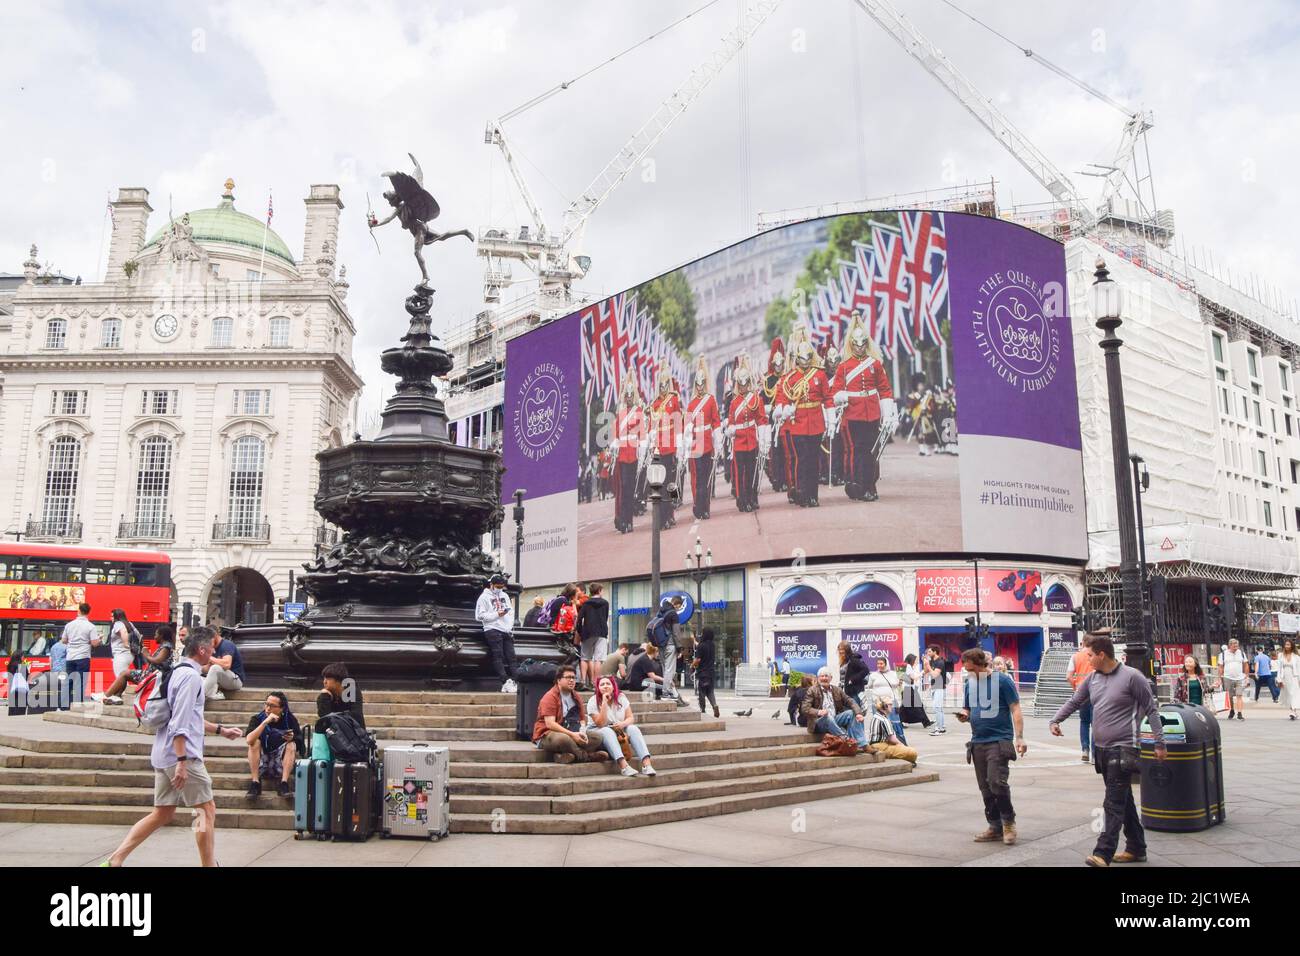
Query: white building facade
x,y
179,404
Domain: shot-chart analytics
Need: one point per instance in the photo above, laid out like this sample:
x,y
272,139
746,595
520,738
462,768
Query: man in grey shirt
x,y
177,756
1120,698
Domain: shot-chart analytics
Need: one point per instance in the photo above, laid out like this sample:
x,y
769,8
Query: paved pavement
x,y
1057,799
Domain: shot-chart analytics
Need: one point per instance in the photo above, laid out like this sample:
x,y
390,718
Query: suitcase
x,y
352,801
528,694
417,797
311,798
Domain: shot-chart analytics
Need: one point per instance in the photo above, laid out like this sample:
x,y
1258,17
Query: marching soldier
x,y
776,465
749,433
861,390
832,467
665,430
803,409
702,425
629,437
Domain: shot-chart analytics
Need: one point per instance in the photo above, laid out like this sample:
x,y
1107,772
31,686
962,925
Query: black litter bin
x,y
532,680
1184,792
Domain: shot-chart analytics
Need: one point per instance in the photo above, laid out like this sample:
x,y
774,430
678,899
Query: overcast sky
x,y
176,97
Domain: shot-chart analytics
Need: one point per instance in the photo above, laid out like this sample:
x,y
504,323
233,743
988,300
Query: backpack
x,y
565,620
152,708
349,741
657,631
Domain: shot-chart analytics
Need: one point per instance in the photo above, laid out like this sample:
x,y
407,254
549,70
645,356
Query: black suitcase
x,y
352,801
528,695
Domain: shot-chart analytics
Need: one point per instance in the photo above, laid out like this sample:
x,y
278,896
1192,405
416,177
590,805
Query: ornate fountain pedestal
x,y
394,599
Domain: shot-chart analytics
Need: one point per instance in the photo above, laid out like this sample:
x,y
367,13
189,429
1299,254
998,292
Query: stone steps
x,y
689,809
70,768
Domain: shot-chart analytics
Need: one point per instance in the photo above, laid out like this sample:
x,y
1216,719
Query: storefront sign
x,y
1058,599
948,590
1062,637
805,650
801,599
868,597
1288,623
877,644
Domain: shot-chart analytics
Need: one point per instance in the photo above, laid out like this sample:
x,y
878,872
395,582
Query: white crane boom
x,y
981,107
496,136
644,139
1138,123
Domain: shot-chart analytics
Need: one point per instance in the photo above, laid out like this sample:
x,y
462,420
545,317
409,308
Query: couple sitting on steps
x,y
610,732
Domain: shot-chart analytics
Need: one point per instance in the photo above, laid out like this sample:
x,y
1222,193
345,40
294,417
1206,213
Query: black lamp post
x,y
700,566
1107,304
518,514
1141,484
656,475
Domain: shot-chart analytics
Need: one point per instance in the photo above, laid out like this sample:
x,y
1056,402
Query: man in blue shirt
x,y
1264,675
226,670
991,704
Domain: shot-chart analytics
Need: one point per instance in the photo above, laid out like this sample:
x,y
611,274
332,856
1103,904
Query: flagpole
x,y
108,214
266,226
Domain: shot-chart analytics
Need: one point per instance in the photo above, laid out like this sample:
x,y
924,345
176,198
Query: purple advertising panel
x,y
542,424
1058,598
893,382
805,650
877,644
801,599
869,597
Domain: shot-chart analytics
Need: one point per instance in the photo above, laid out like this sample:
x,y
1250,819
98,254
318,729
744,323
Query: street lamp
x,y
656,474
1107,304
518,515
700,566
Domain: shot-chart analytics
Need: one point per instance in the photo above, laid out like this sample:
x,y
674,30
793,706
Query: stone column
x,y
130,220
321,232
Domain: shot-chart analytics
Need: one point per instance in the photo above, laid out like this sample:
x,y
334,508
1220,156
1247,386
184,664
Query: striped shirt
x,y
881,729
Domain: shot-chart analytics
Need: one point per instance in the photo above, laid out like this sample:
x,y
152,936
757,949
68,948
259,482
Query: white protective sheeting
x,y
1201,544
1168,393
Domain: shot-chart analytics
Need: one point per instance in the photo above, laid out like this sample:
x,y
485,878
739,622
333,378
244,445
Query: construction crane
x,y
1081,217
554,256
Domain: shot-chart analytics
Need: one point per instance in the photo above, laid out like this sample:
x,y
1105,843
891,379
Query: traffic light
x,y
1214,610
982,633
970,635
1229,610
1079,619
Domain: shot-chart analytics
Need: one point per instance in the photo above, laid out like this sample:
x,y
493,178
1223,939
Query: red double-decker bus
x,y
42,584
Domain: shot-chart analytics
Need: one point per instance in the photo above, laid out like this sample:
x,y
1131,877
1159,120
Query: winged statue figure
x,y
414,208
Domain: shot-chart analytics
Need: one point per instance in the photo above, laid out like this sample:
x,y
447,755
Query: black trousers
x,y
861,467
744,484
993,774
807,467
776,467
704,688
1120,811
501,648
701,484
624,494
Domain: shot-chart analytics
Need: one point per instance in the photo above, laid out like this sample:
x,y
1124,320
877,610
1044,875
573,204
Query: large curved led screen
x,y
884,383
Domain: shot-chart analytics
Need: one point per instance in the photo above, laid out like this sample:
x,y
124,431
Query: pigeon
x,y
776,715
743,713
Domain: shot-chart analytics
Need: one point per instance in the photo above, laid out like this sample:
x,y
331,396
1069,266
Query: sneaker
x,y
1084,758
718,713
285,789
254,789
1009,834
509,687
648,770
1241,716
219,695
114,701
989,836
629,771
936,733
1127,857
97,698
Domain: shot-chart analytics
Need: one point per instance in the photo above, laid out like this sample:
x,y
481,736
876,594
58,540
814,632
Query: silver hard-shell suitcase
x,y
416,786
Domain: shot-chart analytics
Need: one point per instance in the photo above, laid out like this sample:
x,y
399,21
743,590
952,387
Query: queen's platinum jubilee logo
x,y
541,411
1016,331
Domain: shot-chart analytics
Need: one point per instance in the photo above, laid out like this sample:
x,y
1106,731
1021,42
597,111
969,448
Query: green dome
x,y
224,223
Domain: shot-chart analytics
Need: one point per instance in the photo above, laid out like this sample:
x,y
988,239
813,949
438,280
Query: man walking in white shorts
x,y
180,779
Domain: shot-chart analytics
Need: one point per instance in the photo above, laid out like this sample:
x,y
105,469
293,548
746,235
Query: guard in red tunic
x,y
699,439
776,370
802,411
865,401
629,439
665,432
748,432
